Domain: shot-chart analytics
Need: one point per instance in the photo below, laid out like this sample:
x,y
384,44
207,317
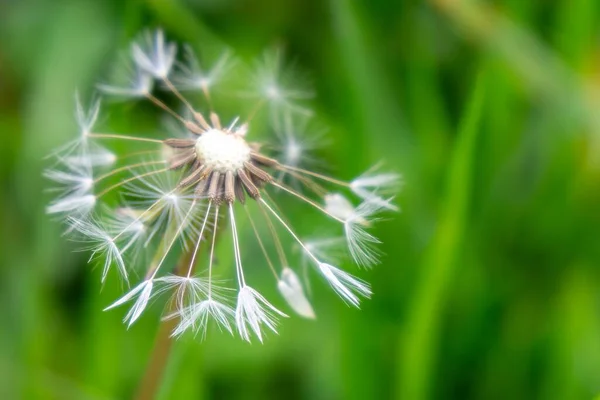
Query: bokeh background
x,y
490,287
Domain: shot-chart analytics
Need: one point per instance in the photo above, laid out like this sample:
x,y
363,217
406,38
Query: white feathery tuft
x,y
361,244
168,205
197,316
144,290
278,87
253,311
187,290
82,152
348,287
325,248
339,206
298,137
135,83
93,155
153,54
75,179
101,244
86,118
291,289
371,186
189,75
77,204
126,223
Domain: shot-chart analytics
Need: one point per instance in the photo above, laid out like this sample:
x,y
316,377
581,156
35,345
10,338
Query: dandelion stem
x,y
261,244
189,273
123,137
326,178
306,181
255,110
127,167
138,153
142,215
310,254
126,181
207,96
154,270
236,249
177,93
212,252
162,105
278,245
307,200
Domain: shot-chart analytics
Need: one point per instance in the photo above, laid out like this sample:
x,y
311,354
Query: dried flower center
x,y
220,164
222,152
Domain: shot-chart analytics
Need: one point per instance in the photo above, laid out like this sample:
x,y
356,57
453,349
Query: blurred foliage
x,y
490,288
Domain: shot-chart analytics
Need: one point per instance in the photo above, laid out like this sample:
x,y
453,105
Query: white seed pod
x,y
291,289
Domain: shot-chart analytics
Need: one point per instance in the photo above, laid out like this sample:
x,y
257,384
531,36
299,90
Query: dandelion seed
x,y
347,286
135,83
173,193
187,289
77,204
144,293
371,186
191,76
291,289
86,118
125,222
153,54
361,244
101,244
277,86
338,206
74,179
198,316
254,311
82,152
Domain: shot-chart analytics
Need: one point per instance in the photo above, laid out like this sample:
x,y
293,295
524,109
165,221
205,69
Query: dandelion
x,y
190,75
177,194
153,54
277,86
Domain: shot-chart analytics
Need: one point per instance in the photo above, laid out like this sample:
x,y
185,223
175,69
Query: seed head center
x,y
221,151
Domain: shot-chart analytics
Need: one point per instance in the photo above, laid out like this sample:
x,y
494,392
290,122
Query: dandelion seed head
x,y
171,197
222,152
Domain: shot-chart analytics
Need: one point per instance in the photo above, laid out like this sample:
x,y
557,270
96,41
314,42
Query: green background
x,y
490,287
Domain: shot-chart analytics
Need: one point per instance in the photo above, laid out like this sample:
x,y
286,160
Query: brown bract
x,y
216,185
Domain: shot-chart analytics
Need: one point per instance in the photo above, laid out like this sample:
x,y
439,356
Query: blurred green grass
x,y
490,285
